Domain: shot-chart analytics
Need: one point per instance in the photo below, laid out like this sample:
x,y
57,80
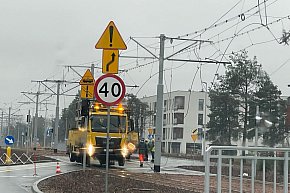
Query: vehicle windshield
x,y
117,123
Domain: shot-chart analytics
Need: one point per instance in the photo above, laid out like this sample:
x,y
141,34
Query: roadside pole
x,y
204,122
111,44
87,86
27,132
55,132
2,132
9,119
107,146
256,137
85,142
159,113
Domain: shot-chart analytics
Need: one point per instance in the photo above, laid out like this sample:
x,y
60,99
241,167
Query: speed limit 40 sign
x,y
109,89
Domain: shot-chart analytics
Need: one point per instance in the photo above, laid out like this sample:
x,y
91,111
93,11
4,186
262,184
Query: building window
x,y
164,134
177,133
163,147
175,147
154,121
200,119
178,118
200,104
179,102
164,105
164,119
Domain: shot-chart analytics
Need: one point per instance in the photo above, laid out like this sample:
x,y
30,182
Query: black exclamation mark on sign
x,y
111,29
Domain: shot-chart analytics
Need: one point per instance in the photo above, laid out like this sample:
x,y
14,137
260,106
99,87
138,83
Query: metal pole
x,y
204,122
18,136
286,159
65,135
256,130
107,147
22,139
36,120
9,116
219,172
256,136
45,127
159,113
28,133
85,143
55,133
44,137
207,172
2,133
93,69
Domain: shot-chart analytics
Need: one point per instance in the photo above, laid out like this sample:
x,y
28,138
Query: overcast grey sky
x,y
38,38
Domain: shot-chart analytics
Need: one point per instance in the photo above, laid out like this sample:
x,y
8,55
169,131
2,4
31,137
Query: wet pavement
x,y
20,178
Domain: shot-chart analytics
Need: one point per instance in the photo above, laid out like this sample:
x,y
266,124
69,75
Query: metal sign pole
x,y
85,143
107,148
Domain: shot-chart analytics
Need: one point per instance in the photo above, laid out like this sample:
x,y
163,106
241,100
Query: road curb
x,y
35,188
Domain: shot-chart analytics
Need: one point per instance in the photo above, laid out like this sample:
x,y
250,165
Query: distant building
x,y
183,112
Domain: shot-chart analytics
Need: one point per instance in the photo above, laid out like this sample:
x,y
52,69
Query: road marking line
x,y
20,176
31,176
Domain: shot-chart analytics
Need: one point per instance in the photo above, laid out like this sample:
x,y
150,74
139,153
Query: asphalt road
x,y
20,178
168,165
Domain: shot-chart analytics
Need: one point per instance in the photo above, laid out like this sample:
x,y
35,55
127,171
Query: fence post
x,y
286,159
219,172
206,171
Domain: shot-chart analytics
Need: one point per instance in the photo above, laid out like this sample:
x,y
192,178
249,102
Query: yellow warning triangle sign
x,y
87,79
111,39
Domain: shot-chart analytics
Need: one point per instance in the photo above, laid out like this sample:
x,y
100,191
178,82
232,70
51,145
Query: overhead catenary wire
x,y
240,34
283,64
215,24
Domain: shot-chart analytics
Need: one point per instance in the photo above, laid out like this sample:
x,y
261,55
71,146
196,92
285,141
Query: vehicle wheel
x,y
79,159
72,157
121,161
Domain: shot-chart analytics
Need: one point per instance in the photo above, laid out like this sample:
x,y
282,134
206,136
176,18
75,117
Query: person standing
x,y
152,150
146,150
142,150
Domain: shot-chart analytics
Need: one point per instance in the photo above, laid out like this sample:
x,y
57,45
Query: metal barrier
x,y
213,183
15,159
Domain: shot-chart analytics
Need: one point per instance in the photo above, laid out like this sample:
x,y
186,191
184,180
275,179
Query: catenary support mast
x,y
159,113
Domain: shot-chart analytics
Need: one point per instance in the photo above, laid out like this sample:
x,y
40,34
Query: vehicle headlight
x,y
124,151
91,149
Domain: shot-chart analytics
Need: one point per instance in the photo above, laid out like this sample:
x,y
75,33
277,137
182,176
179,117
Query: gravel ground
x,y
93,181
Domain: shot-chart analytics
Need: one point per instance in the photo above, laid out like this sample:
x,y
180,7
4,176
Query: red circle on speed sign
x,y
109,89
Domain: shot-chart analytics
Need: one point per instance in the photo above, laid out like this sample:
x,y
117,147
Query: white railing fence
x,y
217,157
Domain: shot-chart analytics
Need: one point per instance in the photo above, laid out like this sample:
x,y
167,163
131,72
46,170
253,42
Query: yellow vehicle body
x,y
94,138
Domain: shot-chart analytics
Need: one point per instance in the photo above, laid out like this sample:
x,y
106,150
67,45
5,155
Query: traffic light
x,y
28,118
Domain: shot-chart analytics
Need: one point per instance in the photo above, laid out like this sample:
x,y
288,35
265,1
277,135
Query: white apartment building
x,y
183,112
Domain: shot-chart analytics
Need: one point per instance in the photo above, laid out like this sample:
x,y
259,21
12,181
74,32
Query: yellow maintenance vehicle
x,y
94,138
